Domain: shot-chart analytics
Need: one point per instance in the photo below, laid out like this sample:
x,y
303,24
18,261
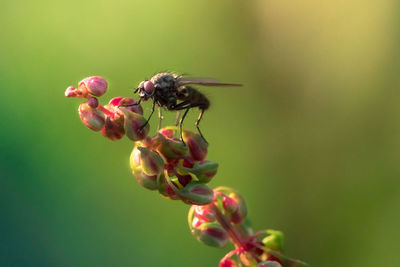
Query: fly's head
x,y
146,90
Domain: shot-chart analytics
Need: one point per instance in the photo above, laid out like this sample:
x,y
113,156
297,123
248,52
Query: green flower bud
x,y
204,170
150,161
196,193
211,234
197,145
133,123
170,148
93,118
147,181
274,240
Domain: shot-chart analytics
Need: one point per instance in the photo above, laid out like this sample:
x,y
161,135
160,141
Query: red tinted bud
x,y
204,213
226,262
151,162
93,102
212,234
197,145
168,133
127,103
240,212
113,128
72,92
229,204
170,148
94,85
197,193
135,162
133,123
188,163
209,233
184,179
165,189
94,119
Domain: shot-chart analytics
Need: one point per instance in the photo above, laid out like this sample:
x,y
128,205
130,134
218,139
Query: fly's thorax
x,y
165,80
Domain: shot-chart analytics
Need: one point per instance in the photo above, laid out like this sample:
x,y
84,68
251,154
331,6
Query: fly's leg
x,y
160,118
178,116
151,114
181,123
130,105
198,123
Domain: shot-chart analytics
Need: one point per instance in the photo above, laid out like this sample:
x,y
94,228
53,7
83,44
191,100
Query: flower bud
x,y
127,103
204,170
170,148
274,240
147,181
113,128
197,145
165,189
94,85
72,92
93,118
150,161
226,262
211,234
204,213
229,204
196,193
239,213
133,123
93,102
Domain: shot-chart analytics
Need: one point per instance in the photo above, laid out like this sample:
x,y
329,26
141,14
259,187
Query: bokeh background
x,y
312,140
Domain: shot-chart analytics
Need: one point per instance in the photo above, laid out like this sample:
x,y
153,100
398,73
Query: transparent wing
x,y
204,81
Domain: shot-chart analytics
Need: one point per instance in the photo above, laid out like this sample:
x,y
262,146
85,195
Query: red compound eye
x,y
148,87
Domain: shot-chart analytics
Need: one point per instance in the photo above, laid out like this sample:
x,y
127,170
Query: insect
x,y
174,92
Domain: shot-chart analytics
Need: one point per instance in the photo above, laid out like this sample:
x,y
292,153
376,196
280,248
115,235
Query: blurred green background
x,y
312,140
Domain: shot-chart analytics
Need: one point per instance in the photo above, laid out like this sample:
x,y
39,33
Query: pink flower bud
x,y
72,92
93,118
165,189
197,193
211,234
239,213
204,213
197,145
135,162
95,85
150,161
170,148
93,102
133,123
125,102
113,128
229,204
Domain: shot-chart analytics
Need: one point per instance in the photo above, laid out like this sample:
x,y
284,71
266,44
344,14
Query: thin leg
x,y
151,114
178,116
181,123
198,123
130,105
160,118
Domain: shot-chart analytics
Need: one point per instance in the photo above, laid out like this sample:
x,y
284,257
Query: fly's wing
x,y
204,81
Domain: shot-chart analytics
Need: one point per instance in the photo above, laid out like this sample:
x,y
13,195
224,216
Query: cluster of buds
x,y
121,116
225,220
179,171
